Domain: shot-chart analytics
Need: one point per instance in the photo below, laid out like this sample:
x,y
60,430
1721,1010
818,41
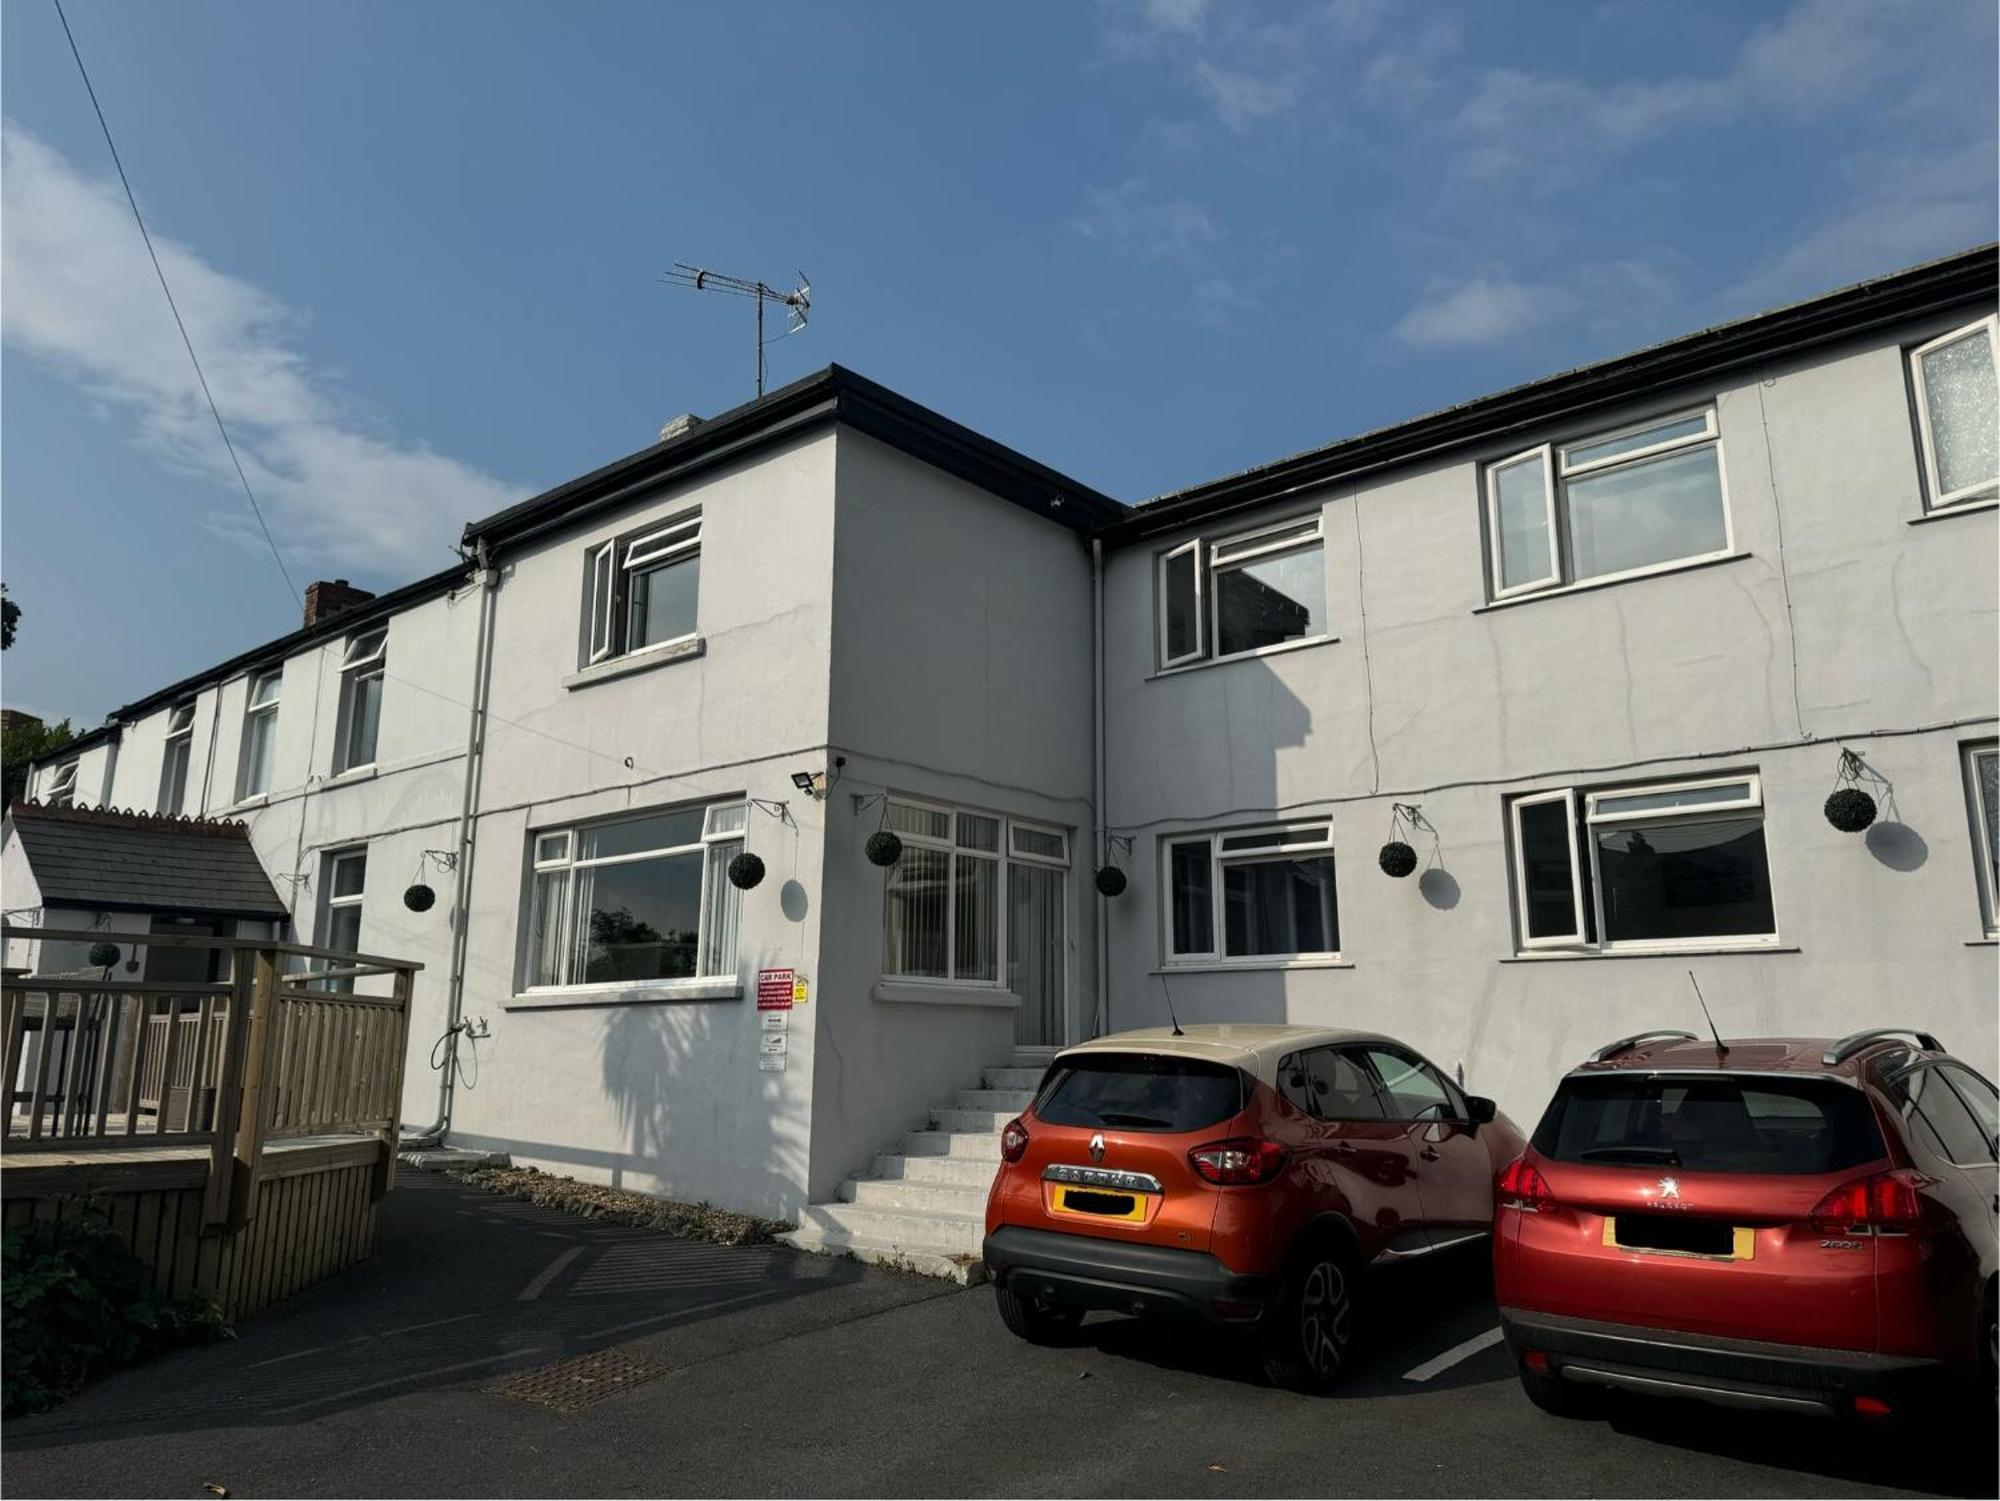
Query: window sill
x,y
352,774
638,661
1568,956
1679,565
897,992
248,804
1244,656
1237,966
1957,508
1982,943
638,993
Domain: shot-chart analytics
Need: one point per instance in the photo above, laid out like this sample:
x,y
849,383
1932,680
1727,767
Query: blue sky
x,y
1148,242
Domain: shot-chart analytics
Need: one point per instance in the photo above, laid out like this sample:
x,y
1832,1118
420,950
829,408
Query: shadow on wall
x,y
1897,845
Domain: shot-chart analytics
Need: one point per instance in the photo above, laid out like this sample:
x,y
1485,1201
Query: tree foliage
x,y
30,740
10,616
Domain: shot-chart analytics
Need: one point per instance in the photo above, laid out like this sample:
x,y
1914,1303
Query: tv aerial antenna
x,y
797,302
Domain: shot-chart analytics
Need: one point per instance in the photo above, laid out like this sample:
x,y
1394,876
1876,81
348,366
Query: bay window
x,y
1958,414
636,899
1252,894
1665,865
640,591
1600,507
1243,593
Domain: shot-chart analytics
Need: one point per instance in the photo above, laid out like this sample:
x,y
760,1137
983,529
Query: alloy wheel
x,y
1325,1316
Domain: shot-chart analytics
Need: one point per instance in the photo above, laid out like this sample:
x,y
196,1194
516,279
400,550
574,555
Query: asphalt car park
x,y
761,1371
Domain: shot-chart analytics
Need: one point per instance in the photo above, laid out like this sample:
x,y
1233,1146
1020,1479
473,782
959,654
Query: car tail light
x,y
1013,1140
1870,1407
1241,1159
1536,1361
1520,1186
1883,1204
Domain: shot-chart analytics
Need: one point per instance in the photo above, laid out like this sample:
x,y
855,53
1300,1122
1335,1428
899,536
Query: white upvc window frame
x,y
559,848
1983,852
1290,840
179,738
1168,558
1597,807
331,901
255,708
1579,933
365,656
62,785
1936,497
1560,472
1214,556
608,570
1545,453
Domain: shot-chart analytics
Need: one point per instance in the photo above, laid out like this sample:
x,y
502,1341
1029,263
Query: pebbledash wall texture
x,y
1592,648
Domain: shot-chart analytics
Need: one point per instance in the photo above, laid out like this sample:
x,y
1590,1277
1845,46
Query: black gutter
x,y
1903,297
835,394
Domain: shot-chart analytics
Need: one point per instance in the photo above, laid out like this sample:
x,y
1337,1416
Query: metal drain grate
x,y
571,1385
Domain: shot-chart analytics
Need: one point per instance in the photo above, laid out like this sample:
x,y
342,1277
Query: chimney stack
x,y
328,597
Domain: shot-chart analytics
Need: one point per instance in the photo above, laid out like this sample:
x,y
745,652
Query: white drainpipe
x,y
1099,843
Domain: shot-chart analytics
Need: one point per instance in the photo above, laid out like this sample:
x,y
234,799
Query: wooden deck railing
x,y
285,1049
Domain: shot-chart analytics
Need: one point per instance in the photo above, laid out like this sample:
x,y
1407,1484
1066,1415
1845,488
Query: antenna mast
x,y
798,300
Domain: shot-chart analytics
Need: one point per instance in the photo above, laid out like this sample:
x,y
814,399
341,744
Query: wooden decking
x,y
238,1137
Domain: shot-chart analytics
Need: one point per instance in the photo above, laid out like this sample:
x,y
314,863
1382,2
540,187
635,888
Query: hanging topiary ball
x,y
104,955
1397,859
745,871
1850,810
1110,880
884,848
419,898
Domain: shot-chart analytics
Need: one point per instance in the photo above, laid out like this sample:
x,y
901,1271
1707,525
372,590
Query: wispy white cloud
x,y
1242,98
1620,300
339,490
1480,311
1174,17
1129,221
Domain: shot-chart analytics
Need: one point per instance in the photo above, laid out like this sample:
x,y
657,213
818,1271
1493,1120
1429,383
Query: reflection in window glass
x,y
1279,907
1652,511
1521,498
1547,876
1193,897
1684,878
1270,600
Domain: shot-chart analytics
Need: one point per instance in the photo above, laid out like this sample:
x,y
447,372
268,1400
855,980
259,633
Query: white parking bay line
x,y
1464,1350
546,1275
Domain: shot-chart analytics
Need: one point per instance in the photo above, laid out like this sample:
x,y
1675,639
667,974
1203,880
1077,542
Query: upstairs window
x,y
362,667
1958,414
1616,503
260,734
645,898
174,764
343,875
61,791
1252,894
641,591
1982,794
1673,864
1244,593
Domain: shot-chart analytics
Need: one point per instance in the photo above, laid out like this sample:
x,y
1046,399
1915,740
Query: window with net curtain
x,y
636,899
979,899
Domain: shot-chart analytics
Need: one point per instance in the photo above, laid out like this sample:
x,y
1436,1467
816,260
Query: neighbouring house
x,y
1593,648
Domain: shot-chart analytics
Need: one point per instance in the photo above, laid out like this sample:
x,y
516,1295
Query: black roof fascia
x,y
1901,297
835,394
341,623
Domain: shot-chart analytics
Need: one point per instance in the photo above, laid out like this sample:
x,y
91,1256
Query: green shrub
x,y
79,1304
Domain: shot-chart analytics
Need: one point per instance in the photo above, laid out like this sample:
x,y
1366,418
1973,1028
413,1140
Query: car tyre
x,y
1563,1399
1035,1320
1307,1342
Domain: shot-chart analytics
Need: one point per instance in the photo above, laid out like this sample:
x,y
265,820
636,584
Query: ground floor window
x,y
343,875
979,899
633,899
1645,866
1252,894
1982,793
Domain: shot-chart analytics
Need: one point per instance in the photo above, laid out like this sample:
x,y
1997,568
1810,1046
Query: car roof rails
x,y
1854,1042
1614,1049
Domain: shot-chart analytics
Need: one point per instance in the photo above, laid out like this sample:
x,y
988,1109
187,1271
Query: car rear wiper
x,y
1120,1118
1665,1155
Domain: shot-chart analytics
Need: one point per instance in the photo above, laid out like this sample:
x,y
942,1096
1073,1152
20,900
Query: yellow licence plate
x,y
1100,1203
1742,1245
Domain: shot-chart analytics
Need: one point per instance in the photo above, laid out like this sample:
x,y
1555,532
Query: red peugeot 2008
x,y
1781,1224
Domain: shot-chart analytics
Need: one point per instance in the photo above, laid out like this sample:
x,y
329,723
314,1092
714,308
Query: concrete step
x,y
911,1229
1011,1101
904,1193
970,1120
984,1145
959,1268
1012,1078
959,1172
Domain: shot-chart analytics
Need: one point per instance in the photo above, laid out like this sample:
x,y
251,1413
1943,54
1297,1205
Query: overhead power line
x,y
104,125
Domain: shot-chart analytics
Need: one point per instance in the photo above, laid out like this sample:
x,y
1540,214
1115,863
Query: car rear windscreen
x,y
1714,1123
1140,1092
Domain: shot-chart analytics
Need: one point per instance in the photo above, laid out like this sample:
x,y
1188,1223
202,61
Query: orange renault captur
x,y
1235,1176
